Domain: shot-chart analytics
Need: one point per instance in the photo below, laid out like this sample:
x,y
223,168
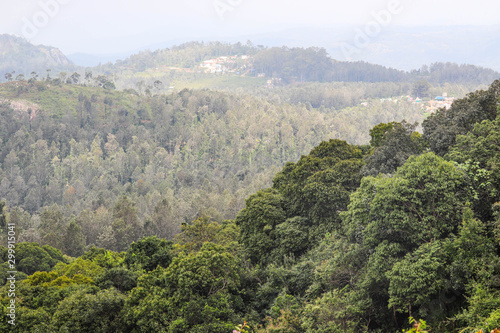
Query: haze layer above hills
x,y
399,47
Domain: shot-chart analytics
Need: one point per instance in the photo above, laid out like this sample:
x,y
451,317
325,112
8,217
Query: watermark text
x,y
222,7
40,19
371,29
11,280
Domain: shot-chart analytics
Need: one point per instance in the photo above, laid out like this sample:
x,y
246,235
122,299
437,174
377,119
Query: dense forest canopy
x,y
307,207
78,149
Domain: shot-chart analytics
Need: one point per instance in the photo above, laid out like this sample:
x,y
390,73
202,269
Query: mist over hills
x,y
286,64
90,60
399,47
248,64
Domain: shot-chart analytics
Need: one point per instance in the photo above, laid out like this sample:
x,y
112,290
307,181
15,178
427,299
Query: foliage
x,y
303,204
418,204
195,291
204,230
379,133
417,278
31,258
84,312
104,258
79,271
421,88
257,222
442,128
392,144
126,225
118,277
318,248
241,328
418,326
148,254
177,157
482,312
335,311
477,153
311,64
74,240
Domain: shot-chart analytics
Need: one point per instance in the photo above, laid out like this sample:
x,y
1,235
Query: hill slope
x,y
204,151
17,54
197,61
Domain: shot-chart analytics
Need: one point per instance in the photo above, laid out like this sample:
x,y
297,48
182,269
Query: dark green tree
x,y
477,153
74,240
149,253
195,293
126,225
305,200
258,221
3,218
31,257
442,128
392,144
421,202
53,227
86,312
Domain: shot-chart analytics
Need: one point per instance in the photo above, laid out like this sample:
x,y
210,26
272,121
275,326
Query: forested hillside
x,y
297,194
76,150
19,58
182,65
334,235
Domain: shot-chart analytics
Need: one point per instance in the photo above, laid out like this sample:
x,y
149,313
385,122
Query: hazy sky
x,y
105,26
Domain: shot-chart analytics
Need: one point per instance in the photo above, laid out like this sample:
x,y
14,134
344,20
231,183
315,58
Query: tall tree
x,y
126,225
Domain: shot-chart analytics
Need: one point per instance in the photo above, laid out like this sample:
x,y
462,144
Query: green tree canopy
x,y
303,204
196,292
392,144
442,127
421,202
149,253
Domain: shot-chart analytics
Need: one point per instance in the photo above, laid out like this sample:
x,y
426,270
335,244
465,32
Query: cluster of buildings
x,y
439,102
271,83
428,106
230,64
433,105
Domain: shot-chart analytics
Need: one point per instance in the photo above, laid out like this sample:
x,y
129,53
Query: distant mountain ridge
x,y
295,64
396,46
19,55
400,47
